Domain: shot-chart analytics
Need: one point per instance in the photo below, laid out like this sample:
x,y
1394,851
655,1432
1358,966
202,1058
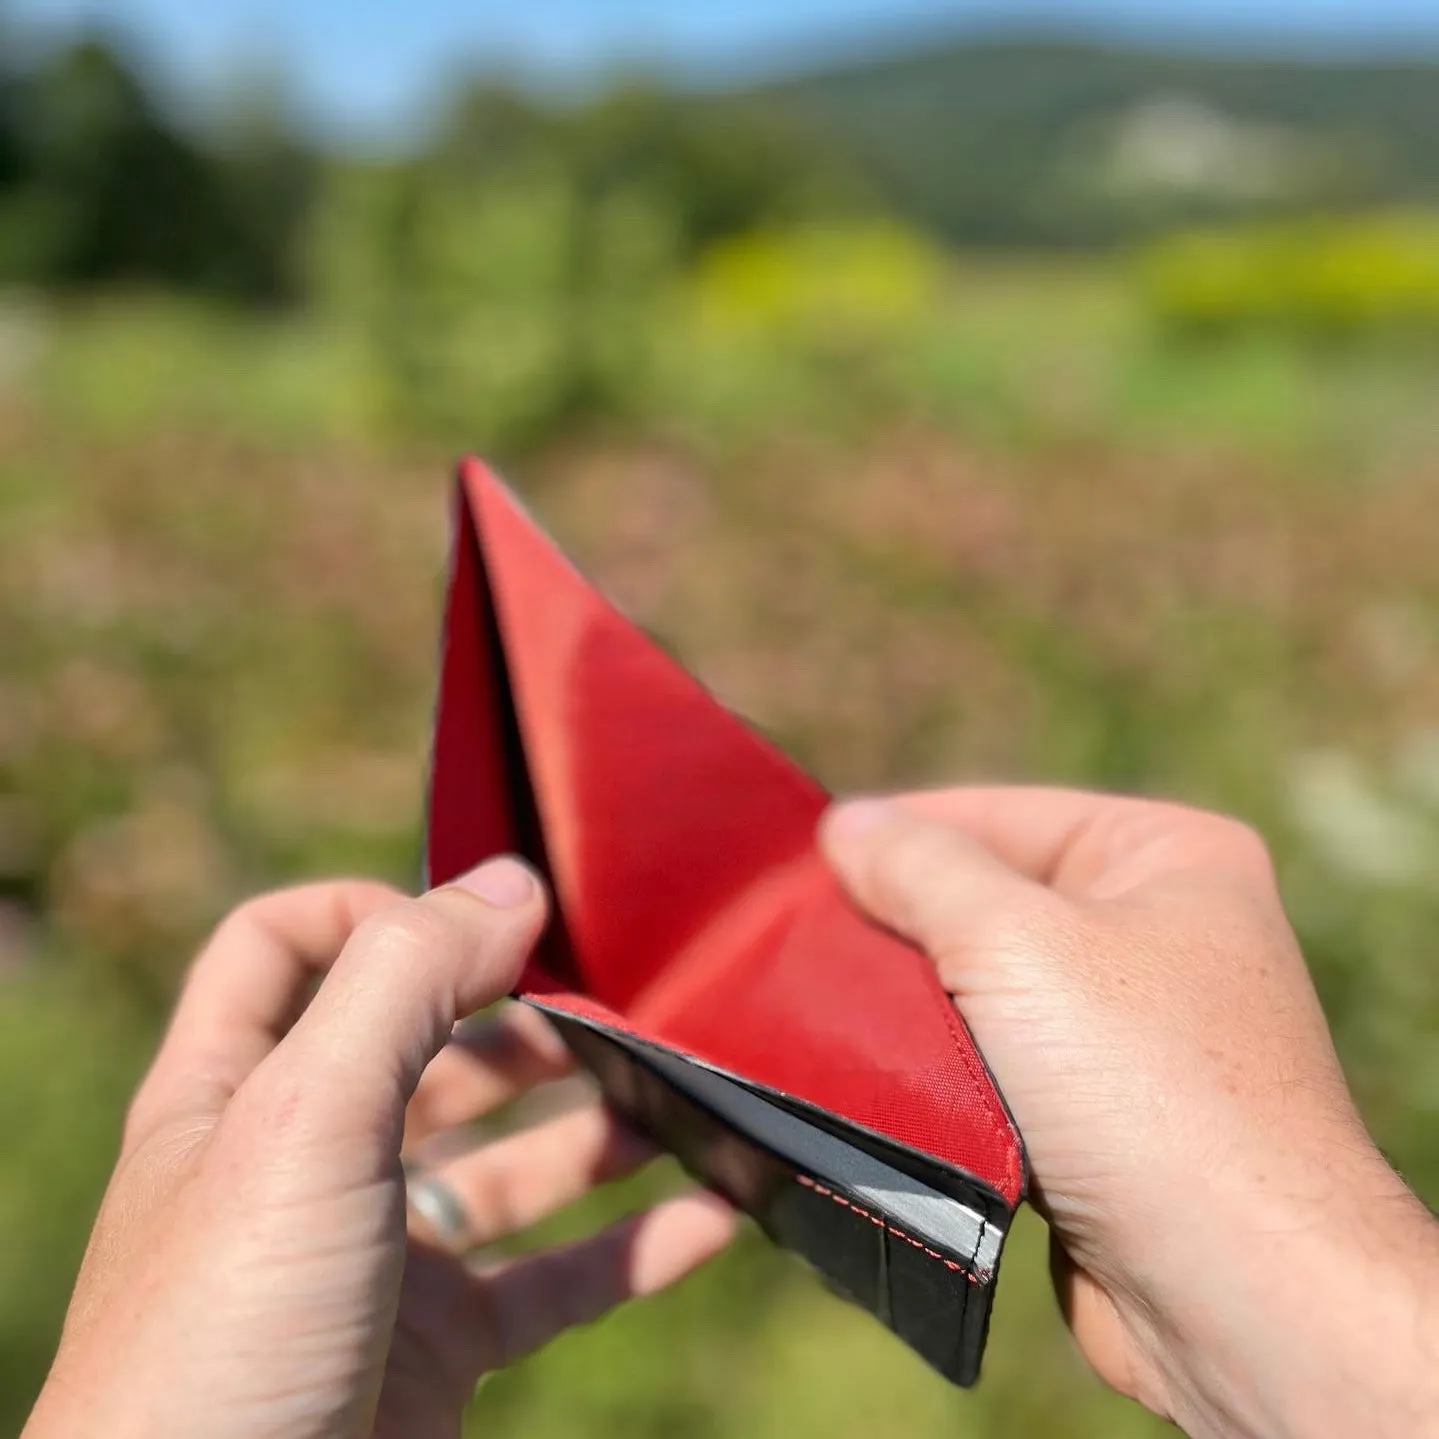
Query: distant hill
x,y
1059,143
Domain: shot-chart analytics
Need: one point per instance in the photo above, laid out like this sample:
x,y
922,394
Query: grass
x,y
1028,538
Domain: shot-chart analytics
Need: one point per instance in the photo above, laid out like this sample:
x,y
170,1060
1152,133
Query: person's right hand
x,y
1230,1248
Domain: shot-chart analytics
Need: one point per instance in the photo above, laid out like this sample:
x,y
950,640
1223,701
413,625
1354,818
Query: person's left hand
x,y
251,1274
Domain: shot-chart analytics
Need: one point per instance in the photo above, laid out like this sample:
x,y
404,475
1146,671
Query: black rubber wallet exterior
x,y
933,1298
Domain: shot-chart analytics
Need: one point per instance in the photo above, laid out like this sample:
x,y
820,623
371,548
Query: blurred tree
x,y
10,153
116,193
710,171
490,127
505,279
723,168
105,190
12,158
268,181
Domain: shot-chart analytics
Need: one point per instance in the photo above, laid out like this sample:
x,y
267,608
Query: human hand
x,y
1229,1246
250,1272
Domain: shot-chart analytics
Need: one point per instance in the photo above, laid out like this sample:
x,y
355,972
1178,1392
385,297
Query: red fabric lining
x,y
693,907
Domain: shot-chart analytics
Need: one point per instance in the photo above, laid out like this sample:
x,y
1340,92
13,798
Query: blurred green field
x,y
981,521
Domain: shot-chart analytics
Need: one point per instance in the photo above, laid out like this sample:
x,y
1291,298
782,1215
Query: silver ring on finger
x,y
432,1200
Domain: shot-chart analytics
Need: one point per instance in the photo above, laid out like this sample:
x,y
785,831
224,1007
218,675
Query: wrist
x,y
1312,1318
57,1412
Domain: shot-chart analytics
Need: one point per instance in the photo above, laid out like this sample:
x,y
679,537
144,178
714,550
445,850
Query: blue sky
x,y
366,64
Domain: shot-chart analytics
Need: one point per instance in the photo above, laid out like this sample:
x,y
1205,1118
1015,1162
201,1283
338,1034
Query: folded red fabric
x,y
699,942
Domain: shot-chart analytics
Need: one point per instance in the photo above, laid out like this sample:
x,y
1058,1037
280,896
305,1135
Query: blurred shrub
x,y
818,320
820,281
1364,277
507,279
126,366
456,297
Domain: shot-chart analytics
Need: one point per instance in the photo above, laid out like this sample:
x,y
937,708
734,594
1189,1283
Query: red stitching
x,y
898,1233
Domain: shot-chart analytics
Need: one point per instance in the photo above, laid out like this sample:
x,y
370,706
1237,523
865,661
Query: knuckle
x,y
1208,836
411,933
248,921
1238,844
488,1194
553,1302
350,897
574,1292
484,1320
1248,843
239,923
250,914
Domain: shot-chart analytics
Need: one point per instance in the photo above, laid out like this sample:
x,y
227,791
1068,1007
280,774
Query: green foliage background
x,y
1156,519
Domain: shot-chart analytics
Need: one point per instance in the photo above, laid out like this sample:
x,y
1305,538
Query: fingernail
x,y
504,883
856,817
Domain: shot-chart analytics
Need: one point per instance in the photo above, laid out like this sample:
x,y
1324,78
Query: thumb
x,y
928,881
389,1004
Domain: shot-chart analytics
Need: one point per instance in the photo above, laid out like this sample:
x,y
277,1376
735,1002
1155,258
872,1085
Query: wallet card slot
x,y
932,1300
913,1205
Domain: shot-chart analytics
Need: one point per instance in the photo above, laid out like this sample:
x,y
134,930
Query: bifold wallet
x,y
702,962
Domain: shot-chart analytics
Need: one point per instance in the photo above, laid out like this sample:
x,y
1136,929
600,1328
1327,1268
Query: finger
x,y
504,1187
1033,829
389,1004
244,991
1081,843
526,1302
483,1067
928,881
